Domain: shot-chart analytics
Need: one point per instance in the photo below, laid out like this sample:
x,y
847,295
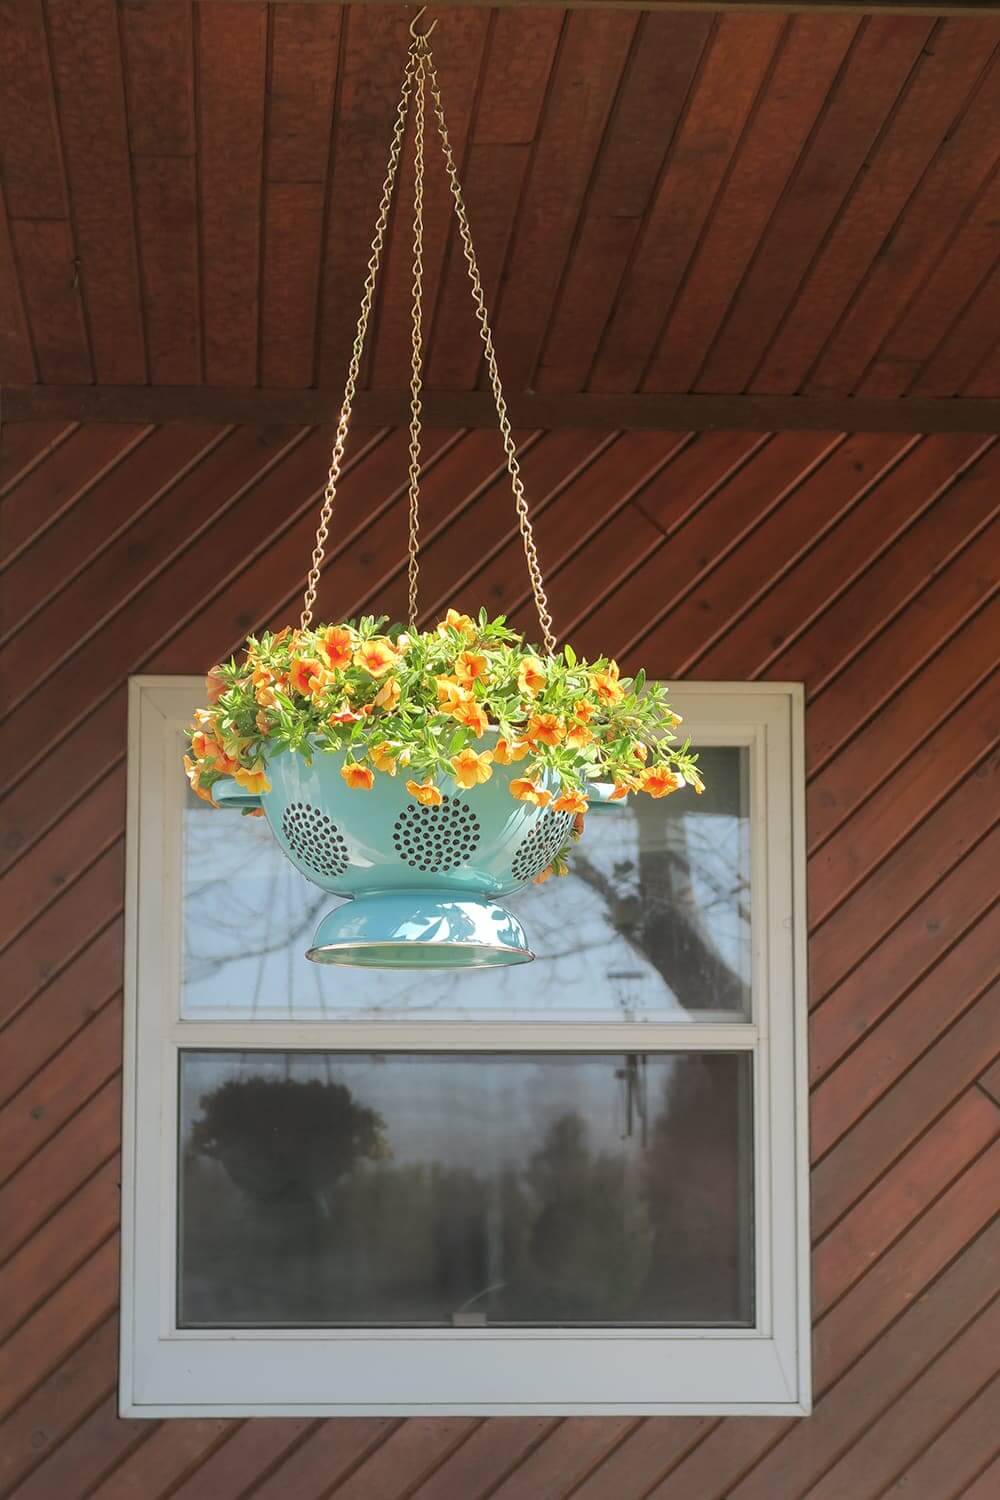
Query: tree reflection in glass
x,y
388,1189
652,923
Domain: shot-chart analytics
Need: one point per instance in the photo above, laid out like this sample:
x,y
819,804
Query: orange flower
x,y
382,758
388,695
526,790
304,674
570,802
254,812
426,794
659,782
214,685
544,875
531,675
454,621
358,778
336,643
253,780
606,684
202,745
450,694
622,787
640,751
472,767
263,722
193,774
344,715
578,825
472,716
583,710
506,754
543,729
376,655
263,691
578,735
469,668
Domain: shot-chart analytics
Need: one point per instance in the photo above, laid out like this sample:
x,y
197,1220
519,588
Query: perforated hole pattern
x,y
542,845
436,839
315,839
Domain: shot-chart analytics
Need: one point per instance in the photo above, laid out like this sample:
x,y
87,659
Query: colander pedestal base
x,y
413,929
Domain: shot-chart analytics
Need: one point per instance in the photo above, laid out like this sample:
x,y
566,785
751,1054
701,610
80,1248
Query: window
x,y
576,1186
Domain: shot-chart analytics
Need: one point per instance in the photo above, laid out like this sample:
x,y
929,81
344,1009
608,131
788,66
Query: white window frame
x,y
759,1371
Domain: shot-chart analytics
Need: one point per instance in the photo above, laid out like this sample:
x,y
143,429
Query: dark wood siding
x,y
865,566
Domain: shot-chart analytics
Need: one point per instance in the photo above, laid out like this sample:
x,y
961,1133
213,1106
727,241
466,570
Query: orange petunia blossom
x,y
358,778
450,694
338,646
622,788
426,793
470,667
193,774
506,754
544,875
383,757
343,715
388,695
543,729
472,767
454,621
202,744
263,722
606,685
472,716
526,790
640,751
214,685
659,782
584,710
578,735
531,675
376,656
304,671
252,780
570,802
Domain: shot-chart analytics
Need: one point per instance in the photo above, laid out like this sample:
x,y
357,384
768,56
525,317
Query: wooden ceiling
x,y
664,201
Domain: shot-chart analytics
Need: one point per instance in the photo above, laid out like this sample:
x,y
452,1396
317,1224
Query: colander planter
x,y
425,883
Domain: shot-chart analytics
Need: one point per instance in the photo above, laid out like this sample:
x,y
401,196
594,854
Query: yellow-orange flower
x,y
388,695
383,758
470,667
659,782
358,777
337,645
193,774
544,875
578,735
202,745
450,694
570,802
425,793
214,685
506,754
543,729
377,656
343,715
472,767
526,790
253,780
454,621
640,751
583,710
622,787
304,673
531,675
606,685
472,716
263,722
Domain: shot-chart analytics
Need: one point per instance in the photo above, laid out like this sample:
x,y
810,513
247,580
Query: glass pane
x,y
652,924
455,1190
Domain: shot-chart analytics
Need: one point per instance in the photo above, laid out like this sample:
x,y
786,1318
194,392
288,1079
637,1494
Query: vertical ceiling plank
x,y
587,73
665,57
875,73
50,278
372,64
86,62
30,153
231,45
17,359
735,65
459,63
962,166
303,82
159,79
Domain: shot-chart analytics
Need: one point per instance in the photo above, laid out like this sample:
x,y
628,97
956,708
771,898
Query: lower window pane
x,y
389,1189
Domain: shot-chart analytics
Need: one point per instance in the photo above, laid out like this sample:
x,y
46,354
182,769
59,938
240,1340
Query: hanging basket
x,y
426,776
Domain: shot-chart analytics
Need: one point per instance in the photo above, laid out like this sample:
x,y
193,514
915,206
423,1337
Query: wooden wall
x,y
865,566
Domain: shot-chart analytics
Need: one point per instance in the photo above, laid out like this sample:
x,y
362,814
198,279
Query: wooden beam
x,y
857,7
310,408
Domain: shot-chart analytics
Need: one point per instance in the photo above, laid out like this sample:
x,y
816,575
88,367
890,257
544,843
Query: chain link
x,y
482,317
419,71
354,368
416,358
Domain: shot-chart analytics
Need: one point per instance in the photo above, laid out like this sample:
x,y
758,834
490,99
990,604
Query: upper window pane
x,y
652,924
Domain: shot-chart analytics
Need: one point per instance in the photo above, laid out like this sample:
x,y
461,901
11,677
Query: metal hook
x,y
418,35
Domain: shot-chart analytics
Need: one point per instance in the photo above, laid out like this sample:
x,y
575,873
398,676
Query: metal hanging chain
x,y
416,358
482,316
354,368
